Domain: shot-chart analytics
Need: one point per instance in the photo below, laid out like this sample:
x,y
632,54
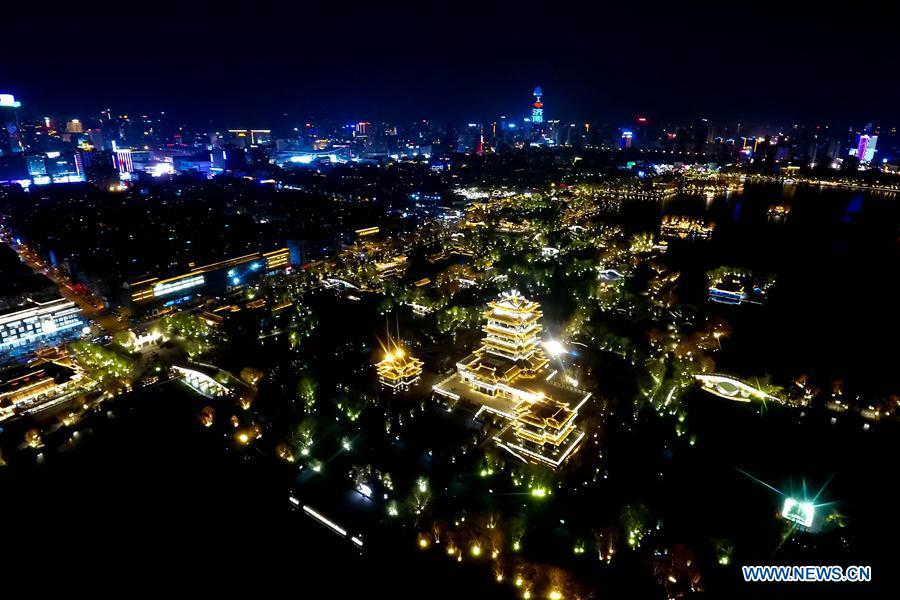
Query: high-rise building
x,y
471,139
13,169
10,134
833,150
537,109
249,138
640,129
865,148
123,160
9,101
537,115
98,167
63,168
24,169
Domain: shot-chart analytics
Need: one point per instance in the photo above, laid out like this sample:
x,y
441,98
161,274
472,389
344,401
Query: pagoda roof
x,y
514,301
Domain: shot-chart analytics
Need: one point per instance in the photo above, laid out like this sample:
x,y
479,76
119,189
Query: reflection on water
x,y
854,206
835,244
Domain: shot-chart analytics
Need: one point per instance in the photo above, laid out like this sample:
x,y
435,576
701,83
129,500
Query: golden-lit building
x,y
506,226
217,276
779,211
509,376
681,227
41,383
510,349
398,370
390,268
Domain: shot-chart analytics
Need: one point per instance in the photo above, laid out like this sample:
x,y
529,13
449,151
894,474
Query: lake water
x,y
830,313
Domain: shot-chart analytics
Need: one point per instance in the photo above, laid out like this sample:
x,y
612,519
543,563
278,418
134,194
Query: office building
x,y
38,321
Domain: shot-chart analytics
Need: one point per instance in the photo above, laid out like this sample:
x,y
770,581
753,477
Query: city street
x,y
92,307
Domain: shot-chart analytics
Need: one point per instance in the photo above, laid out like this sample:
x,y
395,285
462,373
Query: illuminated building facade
x,y
123,161
398,370
10,136
509,376
800,512
212,278
248,138
39,169
471,139
865,148
14,168
512,333
34,322
730,291
676,226
98,167
363,129
391,268
537,108
38,384
299,158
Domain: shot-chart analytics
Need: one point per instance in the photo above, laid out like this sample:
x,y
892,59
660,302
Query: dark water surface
x,y
831,313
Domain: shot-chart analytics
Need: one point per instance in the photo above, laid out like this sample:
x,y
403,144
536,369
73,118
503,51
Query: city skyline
x,y
675,64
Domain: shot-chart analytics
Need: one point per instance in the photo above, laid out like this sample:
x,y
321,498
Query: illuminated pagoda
x,y
511,347
398,370
509,376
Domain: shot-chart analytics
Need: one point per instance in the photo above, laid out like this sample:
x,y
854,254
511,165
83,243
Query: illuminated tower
x,y
10,136
865,150
537,110
513,327
509,377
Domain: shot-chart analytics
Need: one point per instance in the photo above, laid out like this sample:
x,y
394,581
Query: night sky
x,y
247,63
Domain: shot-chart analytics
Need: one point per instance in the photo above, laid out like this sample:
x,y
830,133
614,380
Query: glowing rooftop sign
x,y
9,100
801,513
164,289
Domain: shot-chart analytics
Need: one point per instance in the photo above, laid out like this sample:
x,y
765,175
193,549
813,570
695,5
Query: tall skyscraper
x,y
10,135
471,139
865,149
537,110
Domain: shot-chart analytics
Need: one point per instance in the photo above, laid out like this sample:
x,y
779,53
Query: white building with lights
x,y
36,322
